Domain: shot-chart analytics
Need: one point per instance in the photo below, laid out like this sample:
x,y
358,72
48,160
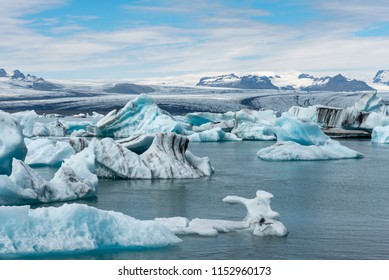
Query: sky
x,y
118,39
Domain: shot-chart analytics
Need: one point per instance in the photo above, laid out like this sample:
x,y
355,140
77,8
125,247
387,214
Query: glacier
x,y
11,142
260,219
303,140
75,227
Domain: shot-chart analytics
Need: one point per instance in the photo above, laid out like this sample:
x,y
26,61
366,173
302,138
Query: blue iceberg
x,y
75,227
303,140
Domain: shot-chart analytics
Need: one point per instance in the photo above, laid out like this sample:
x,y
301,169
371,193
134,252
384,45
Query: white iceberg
x,y
75,227
44,151
139,116
380,135
261,220
11,142
27,121
213,135
74,180
303,140
166,158
254,125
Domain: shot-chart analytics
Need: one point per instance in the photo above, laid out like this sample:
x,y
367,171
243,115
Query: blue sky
x,y
118,39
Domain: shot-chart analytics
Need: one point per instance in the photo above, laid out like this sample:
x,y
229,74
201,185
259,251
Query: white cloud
x,y
222,40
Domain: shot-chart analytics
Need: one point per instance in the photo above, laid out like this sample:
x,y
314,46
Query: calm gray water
x,y
332,209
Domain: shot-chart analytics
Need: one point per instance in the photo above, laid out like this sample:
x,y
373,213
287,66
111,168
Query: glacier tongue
x,y
75,227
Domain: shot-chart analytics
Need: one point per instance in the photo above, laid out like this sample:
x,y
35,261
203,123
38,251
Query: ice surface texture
x,y
303,140
44,151
11,142
75,227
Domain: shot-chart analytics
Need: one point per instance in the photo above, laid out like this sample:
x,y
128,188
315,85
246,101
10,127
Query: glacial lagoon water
x,y
334,209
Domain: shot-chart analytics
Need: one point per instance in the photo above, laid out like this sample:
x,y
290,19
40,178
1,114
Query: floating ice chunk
x,y
254,125
27,121
11,142
308,113
76,178
303,132
304,140
202,164
260,219
75,227
213,135
254,131
140,116
72,181
44,151
293,151
166,158
380,135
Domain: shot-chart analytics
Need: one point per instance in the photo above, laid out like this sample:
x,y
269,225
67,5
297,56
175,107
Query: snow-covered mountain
x,y
18,79
287,81
382,77
233,81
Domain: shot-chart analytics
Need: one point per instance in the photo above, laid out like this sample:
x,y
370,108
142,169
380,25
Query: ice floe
x,y
75,227
74,180
303,140
260,219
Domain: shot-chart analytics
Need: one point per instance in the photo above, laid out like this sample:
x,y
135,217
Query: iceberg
x,y
27,121
74,180
254,125
303,140
75,227
213,135
139,116
11,142
380,135
167,157
47,152
260,219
